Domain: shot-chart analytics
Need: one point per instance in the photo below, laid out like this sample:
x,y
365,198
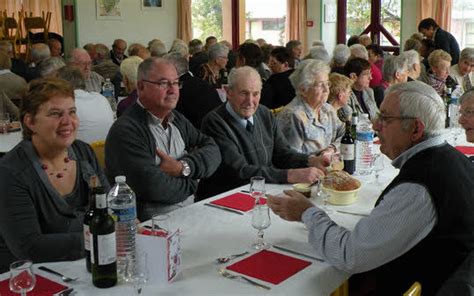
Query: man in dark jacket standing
x,y
442,39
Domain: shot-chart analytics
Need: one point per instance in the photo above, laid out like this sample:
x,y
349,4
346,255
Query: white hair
x,y
245,71
359,51
129,68
412,57
217,50
467,54
392,65
467,96
319,53
341,54
303,75
420,100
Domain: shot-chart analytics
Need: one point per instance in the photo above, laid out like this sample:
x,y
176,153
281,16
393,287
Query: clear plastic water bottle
x,y
454,107
108,89
364,145
122,204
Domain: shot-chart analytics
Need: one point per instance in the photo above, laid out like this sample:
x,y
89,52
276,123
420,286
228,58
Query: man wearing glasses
x,y
157,148
422,227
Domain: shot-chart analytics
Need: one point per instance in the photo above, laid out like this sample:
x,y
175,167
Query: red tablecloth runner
x,y
269,266
238,201
43,287
468,150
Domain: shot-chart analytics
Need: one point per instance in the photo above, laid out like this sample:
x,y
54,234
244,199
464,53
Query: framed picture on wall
x,y
151,4
108,9
330,13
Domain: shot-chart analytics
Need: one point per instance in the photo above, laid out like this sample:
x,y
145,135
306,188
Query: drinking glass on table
x,y
320,193
22,278
260,221
378,166
136,271
257,188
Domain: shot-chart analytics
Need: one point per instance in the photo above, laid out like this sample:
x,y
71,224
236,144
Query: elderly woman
x,y
44,180
129,71
214,71
466,114
413,63
438,75
463,72
309,123
395,70
339,91
340,55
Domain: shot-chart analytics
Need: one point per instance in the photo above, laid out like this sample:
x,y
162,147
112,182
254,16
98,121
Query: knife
x,y
224,208
297,253
350,213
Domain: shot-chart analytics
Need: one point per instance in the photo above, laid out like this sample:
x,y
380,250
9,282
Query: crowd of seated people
x,y
175,137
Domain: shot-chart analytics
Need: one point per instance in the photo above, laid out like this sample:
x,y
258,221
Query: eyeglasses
x,y
321,84
166,84
468,113
385,119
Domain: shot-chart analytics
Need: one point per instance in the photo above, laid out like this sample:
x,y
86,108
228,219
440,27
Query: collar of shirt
x,y
5,71
240,120
406,155
153,118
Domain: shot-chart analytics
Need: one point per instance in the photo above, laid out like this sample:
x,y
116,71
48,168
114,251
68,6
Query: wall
x,y
136,25
409,23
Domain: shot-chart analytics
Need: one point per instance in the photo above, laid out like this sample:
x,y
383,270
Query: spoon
x,y
228,258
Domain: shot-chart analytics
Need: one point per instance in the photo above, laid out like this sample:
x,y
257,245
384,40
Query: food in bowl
x,y
303,188
341,187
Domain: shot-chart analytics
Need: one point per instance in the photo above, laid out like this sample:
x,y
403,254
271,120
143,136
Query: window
x,y
265,19
207,19
273,25
462,26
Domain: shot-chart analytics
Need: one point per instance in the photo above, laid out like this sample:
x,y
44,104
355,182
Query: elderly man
x,y
427,207
81,60
466,114
251,144
159,151
12,86
104,65
117,54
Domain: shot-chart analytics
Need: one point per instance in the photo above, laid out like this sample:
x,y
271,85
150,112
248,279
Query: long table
x,y
9,140
208,233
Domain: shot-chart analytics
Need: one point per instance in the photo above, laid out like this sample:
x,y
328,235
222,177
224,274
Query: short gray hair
x,y
129,68
157,48
319,53
149,65
179,46
467,96
359,51
303,75
467,54
217,50
73,76
420,100
246,71
392,65
412,57
341,54
179,61
39,52
51,65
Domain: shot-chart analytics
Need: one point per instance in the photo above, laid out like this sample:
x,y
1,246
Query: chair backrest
x,y
415,290
99,147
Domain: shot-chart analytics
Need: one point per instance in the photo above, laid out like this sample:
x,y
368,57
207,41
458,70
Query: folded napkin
x,y
239,201
468,150
43,287
269,266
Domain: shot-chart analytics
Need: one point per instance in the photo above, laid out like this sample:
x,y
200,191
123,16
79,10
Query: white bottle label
x,y
348,151
107,250
87,238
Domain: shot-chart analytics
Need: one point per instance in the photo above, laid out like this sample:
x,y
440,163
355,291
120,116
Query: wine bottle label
x,y
87,238
100,201
106,249
347,151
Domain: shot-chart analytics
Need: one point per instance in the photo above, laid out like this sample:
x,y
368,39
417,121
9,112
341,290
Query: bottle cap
x,y
120,179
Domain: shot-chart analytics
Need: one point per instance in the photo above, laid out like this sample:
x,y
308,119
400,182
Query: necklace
x,y
58,174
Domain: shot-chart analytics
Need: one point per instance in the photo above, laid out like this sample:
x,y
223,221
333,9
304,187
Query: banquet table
x,y
9,140
208,233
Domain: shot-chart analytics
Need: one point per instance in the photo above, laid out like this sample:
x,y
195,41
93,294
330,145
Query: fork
x,y
228,275
63,277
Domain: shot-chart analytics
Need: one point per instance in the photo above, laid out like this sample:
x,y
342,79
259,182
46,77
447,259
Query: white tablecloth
x,y
9,140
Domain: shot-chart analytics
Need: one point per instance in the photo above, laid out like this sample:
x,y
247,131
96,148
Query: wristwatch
x,y
186,168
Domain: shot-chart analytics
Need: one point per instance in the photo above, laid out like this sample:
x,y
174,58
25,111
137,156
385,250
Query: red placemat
x,y
269,266
43,287
239,201
468,150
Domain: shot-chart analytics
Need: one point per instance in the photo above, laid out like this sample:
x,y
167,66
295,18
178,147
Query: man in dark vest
x,y
422,227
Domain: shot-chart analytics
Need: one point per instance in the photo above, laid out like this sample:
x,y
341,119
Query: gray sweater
x,y
265,152
130,150
35,221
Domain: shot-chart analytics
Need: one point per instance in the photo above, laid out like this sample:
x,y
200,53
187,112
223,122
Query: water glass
x,y
322,194
260,221
136,271
257,188
378,166
160,224
22,278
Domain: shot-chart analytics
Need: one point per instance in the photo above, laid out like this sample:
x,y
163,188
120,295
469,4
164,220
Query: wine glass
x,y
22,278
322,194
136,271
378,165
257,188
260,221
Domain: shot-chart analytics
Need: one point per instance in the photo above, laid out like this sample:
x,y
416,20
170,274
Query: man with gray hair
x,y
395,70
412,58
81,59
159,151
427,207
104,66
251,142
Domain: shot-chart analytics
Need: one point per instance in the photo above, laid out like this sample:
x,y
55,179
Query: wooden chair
x,y
33,25
415,290
11,32
98,147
